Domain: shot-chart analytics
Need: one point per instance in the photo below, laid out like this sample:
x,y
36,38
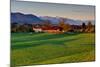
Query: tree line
x,y
88,28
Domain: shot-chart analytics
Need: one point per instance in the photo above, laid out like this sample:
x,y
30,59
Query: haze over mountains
x,y
33,19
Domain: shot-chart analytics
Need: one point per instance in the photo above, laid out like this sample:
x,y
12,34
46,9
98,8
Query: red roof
x,y
51,28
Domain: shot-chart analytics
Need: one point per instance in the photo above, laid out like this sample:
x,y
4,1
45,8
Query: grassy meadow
x,y
46,48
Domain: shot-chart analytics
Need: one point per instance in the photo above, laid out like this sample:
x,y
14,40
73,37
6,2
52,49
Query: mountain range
x,y
33,19
25,18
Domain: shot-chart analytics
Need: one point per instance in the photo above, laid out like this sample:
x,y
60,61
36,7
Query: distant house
x,y
37,29
53,29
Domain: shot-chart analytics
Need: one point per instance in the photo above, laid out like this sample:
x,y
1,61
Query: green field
x,y
46,48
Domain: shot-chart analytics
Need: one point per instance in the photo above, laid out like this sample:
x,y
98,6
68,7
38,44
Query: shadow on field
x,y
33,45
41,36
52,42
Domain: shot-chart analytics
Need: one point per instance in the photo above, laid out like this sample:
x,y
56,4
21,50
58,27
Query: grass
x,y
45,48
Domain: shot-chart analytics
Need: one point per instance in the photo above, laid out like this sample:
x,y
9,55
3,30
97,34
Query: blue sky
x,y
78,12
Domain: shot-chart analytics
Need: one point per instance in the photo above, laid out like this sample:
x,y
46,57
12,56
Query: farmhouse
x,y
52,29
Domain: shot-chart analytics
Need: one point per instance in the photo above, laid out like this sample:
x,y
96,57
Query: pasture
x,y
46,48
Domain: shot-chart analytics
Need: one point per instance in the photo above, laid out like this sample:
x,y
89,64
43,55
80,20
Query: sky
x,y
78,12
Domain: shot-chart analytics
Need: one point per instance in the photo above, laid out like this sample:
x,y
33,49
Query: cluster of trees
x,y
15,27
66,27
87,28
77,28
